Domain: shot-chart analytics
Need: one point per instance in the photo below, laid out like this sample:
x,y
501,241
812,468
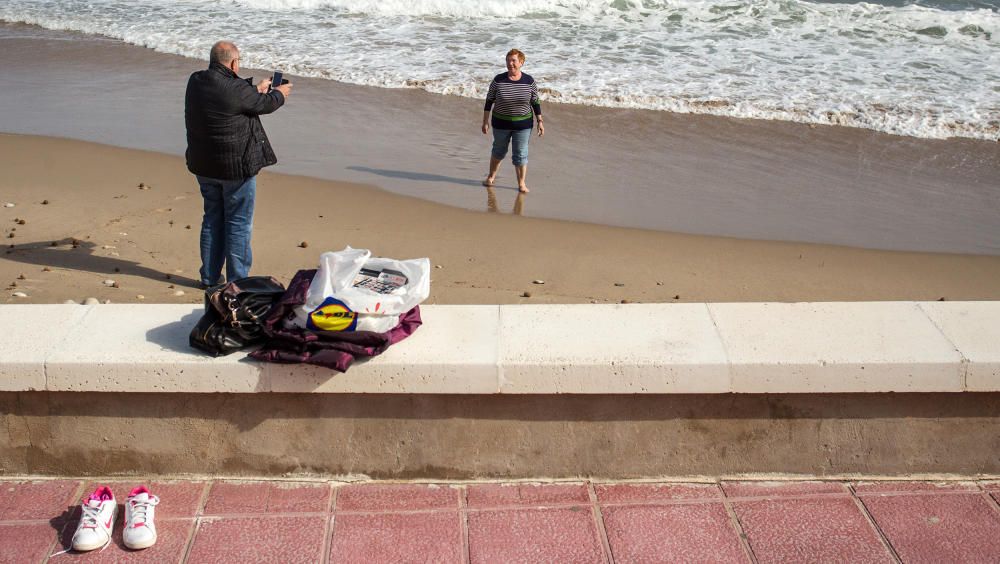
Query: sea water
x,y
925,68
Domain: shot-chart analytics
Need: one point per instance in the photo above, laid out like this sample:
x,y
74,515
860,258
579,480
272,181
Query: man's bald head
x,y
223,52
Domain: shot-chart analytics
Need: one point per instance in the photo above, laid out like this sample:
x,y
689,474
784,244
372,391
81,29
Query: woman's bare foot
x,y
523,189
488,182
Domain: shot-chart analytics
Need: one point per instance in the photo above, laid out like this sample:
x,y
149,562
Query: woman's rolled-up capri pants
x,y
517,138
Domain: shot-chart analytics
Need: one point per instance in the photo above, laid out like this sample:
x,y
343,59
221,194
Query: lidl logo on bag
x,y
332,315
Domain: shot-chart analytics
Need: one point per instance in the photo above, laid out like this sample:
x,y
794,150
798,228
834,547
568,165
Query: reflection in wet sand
x,y
493,207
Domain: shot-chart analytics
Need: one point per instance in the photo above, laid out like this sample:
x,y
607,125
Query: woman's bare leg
x,y
492,176
522,172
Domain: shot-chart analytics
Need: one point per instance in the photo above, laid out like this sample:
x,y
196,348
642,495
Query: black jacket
x,y
225,137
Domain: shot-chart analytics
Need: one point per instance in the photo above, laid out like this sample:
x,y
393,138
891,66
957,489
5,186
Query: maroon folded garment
x,y
336,350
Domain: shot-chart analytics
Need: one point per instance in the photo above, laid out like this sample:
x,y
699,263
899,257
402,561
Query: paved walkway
x,y
287,522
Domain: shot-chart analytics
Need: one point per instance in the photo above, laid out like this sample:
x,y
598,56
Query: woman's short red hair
x,y
520,55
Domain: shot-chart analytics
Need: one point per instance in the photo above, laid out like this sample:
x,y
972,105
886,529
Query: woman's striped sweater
x,y
516,102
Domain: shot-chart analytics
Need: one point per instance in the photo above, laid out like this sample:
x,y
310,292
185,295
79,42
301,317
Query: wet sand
x,y
87,221
747,179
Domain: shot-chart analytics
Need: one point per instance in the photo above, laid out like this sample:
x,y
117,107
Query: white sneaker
x,y
94,530
140,530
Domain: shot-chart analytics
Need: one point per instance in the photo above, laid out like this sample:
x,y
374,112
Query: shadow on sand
x,y
75,254
406,175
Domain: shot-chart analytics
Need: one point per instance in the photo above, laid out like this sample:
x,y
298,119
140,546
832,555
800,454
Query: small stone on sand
x,y
619,284
21,222
538,281
179,293
91,301
115,285
187,227
171,286
659,283
304,244
525,294
54,244
46,269
626,301
438,266
140,297
107,301
70,302
109,282
21,277
19,295
108,247
677,297
45,203
10,235
8,205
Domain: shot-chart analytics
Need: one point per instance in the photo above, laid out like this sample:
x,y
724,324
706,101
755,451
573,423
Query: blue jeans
x,y
226,228
517,138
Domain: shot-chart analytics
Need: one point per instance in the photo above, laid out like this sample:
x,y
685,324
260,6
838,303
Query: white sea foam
x,y
909,70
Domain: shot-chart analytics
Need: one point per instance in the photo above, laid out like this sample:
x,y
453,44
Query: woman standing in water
x,y
513,99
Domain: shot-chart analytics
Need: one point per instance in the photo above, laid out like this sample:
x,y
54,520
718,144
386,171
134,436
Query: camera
x,y
277,79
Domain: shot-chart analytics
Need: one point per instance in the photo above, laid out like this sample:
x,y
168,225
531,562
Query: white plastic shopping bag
x,y
353,291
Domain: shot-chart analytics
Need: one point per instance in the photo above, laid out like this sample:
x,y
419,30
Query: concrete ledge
x,y
520,349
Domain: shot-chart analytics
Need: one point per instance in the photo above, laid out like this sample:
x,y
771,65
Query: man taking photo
x,y
226,149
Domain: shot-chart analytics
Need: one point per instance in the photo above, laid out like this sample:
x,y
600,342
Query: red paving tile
x,y
652,493
37,499
261,539
396,497
938,528
865,488
171,542
228,498
924,522
698,532
397,537
177,499
777,489
994,489
498,495
26,542
534,535
810,530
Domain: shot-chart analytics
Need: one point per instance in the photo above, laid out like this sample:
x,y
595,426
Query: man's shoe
x,y
140,530
94,530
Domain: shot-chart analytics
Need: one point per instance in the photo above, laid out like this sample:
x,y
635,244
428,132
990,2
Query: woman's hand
x,y
541,128
486,128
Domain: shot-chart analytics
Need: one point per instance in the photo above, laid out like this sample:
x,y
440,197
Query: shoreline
x,y
699,174
138,238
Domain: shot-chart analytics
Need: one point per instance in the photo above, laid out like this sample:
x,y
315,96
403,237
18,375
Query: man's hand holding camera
x,y
265,86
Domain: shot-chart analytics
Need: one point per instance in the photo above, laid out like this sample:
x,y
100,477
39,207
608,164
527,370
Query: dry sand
x,y
146,241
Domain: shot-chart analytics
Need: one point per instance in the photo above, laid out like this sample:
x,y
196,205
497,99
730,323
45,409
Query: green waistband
x,y
512,118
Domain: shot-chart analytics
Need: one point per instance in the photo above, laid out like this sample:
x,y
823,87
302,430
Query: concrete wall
x,y
480,436
629,391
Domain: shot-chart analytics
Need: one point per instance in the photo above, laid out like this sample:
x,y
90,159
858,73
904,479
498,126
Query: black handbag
x,y
234,313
